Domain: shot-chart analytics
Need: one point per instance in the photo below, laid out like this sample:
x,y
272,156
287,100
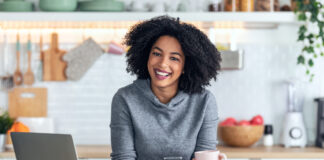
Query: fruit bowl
x,y
240,136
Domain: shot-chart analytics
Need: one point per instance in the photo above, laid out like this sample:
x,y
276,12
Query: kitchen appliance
x,y
293,132
320,123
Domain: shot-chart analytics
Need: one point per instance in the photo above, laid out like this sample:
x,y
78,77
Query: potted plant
x,y
5,124
310,33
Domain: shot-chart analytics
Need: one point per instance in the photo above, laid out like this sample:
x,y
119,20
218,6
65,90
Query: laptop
x,y
43,146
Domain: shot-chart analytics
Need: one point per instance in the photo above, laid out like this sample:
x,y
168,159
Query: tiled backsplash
x,y
82,108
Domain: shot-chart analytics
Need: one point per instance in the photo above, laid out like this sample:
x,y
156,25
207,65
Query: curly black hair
x,y
202,58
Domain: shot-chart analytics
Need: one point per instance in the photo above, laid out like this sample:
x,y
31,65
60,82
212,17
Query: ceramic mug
x,y
210,155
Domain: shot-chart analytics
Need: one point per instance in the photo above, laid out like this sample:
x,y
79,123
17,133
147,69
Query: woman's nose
x,y
164,62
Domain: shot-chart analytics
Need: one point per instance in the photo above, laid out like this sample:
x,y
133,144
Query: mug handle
x,y
222,156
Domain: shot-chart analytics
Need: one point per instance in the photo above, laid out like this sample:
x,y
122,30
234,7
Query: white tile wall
x,y
83,108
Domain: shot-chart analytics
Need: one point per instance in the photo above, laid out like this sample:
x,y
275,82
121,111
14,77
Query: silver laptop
x,y
43,146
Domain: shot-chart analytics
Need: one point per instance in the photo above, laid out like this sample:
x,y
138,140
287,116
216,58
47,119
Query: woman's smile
x,y
161,75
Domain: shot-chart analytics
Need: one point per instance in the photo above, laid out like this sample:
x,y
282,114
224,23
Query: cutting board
x,y
28,102
53,64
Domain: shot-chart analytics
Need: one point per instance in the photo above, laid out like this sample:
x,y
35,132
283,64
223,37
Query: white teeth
x,y
162,73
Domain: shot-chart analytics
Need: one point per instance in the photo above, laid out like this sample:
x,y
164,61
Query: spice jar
x,y
247,5
232,5
267,137
215,6
294,4
267,5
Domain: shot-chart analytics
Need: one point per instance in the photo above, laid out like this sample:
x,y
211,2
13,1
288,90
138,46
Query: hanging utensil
x,y
18,77
29,75
39,73
8,81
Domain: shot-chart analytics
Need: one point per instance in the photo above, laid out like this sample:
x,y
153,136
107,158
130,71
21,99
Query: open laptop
x,y
43,146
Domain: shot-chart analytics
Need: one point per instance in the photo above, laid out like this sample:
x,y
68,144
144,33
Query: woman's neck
x,y
165,94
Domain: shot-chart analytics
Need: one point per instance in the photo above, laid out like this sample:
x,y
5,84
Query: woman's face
x,y
166,62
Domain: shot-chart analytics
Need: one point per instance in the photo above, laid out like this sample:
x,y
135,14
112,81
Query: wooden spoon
x,y
29,75
18,78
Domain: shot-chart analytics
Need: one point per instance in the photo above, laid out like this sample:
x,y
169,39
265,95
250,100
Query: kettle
x,y
293,131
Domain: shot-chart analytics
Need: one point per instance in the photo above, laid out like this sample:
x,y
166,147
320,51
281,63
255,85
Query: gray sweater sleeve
x,y
207,136
122,132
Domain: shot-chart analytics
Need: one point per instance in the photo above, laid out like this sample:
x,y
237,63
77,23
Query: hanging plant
x,y
310,33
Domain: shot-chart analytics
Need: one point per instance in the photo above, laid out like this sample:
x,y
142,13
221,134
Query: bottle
x,y
268,137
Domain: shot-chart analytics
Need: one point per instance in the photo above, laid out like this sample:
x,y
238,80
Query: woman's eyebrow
x,y
158,48
176,53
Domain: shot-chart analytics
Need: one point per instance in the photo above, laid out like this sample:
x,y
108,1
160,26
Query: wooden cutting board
x,y
54,66
28,102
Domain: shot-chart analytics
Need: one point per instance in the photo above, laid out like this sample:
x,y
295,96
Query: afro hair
x,y
202,58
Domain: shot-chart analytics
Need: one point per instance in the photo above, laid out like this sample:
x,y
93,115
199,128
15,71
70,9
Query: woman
x,y
166,112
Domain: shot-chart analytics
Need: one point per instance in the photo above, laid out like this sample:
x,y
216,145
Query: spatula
x,y
29,75
18,78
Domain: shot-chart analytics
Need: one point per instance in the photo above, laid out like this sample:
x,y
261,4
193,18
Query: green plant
x,y
311,12
5,123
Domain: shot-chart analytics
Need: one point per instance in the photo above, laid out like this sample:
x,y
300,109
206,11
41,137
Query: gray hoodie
x,y
143,128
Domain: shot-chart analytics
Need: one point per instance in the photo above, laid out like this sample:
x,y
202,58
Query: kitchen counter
x,y
103,151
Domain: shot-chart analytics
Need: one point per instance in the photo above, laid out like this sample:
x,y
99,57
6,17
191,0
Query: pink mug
x,y
210,155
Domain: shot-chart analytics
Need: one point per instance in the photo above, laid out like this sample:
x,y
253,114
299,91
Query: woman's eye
x,y
174,59
156,54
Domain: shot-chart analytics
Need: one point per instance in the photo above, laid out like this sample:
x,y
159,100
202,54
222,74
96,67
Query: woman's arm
x,y
207,136
122,133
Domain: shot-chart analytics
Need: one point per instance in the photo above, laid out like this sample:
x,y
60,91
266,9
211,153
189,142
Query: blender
x,y
293,132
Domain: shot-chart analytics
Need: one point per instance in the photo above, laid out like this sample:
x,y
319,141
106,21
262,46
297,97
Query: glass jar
x,y
215,6
267,5
247,5
232,5
294,4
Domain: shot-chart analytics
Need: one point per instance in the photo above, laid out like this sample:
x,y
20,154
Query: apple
x,y
230,121
257,120
243,123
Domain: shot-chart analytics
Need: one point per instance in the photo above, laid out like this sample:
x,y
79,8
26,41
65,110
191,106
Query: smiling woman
x,y
166,112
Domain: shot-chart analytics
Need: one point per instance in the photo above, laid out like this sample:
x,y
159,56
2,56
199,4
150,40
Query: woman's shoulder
x,y
204,94
131,89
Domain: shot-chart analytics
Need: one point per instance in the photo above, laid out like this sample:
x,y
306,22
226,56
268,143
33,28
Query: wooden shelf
x,y
261,17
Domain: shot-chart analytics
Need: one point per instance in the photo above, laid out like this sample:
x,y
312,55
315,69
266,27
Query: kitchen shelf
x,y
262,17
206,19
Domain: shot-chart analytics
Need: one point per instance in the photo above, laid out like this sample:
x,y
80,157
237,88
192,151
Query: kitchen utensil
x,y
294,133
102,5
320,123
28,102
58,5
81,58
29,75
240,136
18,77
210,155
53,65
39,74
8,79
16,6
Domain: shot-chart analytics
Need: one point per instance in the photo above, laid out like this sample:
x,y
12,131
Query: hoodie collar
x,y
145,87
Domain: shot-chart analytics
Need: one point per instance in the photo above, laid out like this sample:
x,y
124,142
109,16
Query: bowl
x,y
240,136
16,6
102,5
58,5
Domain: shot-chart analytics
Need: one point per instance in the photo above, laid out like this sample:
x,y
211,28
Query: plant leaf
x,y
301,59
310,62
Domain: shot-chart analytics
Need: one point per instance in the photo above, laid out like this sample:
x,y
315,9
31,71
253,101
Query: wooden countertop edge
x,y
103,151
